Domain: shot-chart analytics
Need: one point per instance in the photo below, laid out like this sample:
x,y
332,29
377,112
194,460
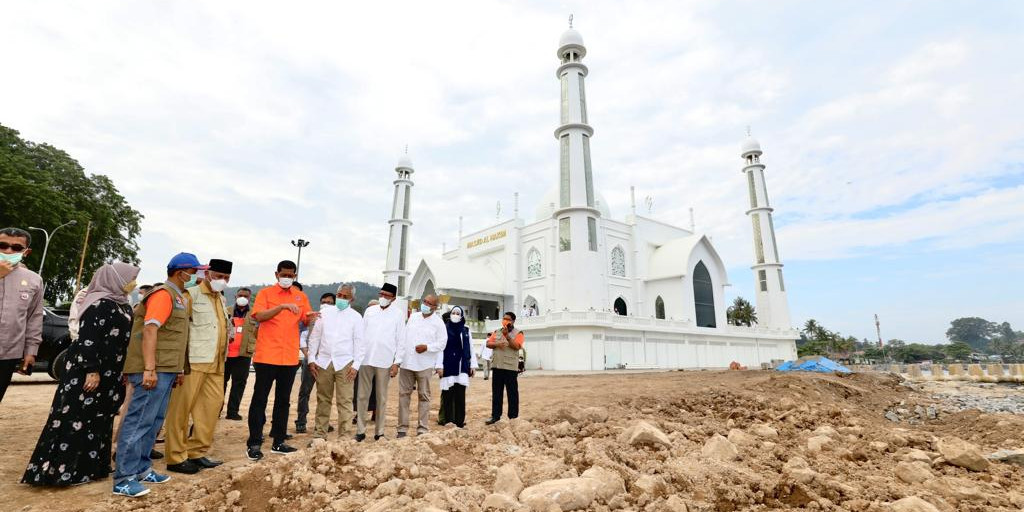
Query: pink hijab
x,y
108,283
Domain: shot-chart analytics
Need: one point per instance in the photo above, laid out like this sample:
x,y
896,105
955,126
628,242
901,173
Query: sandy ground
x,y
788,441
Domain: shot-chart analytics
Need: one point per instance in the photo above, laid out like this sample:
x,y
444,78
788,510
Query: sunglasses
x,y
14,247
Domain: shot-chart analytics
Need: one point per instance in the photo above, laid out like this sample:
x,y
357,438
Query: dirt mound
x,y
707,441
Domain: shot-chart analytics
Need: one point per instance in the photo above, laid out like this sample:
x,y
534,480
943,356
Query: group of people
x,y
165,364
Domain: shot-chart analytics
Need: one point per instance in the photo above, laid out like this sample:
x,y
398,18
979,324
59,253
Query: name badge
x,y
238,329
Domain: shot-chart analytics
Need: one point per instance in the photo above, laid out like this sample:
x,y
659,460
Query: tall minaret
x,y
395,271
772,304
579,265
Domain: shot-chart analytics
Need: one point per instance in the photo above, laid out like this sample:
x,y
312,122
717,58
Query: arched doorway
x,y
428,289
703,296
530,305
620,306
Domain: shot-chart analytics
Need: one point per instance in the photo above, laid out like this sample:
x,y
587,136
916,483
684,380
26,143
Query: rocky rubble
x,y
764,442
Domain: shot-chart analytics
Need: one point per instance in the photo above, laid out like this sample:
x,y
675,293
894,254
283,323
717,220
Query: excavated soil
x,y
794,441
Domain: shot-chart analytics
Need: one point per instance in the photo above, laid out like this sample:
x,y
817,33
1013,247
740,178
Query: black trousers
x,y
453,405
236,370
305,388
281,379
503,381
7,369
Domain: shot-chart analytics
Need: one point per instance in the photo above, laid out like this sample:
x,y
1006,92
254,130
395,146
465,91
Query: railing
x,y
609,319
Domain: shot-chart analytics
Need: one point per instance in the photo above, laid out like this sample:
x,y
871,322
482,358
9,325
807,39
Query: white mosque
x,y
609,293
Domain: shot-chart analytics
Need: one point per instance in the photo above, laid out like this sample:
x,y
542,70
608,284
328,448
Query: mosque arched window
x,y
703,296
534,267
659,308
618,262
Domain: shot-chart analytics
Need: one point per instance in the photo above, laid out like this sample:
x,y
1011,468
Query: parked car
x,y
56,339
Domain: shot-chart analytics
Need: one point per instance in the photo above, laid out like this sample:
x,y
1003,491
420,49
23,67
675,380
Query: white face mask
x,y
218,285
383,302
285,282
242,302
456,319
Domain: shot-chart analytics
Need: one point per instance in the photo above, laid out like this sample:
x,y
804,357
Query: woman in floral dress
x,y
74,447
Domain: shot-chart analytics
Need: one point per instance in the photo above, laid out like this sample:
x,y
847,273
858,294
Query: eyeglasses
x,y
14,247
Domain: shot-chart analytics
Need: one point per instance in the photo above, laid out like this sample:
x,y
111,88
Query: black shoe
x,y
254,453
205,462
491,421
378,438
354,420
300,429
400,435
282,449
235,417
154,455
158,441
360,438
188,467
330,428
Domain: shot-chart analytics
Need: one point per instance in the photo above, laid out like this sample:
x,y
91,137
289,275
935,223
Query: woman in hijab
x,y
458,364
74,447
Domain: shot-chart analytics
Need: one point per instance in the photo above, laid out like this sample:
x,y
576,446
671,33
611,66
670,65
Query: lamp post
x,y
46,244
300,243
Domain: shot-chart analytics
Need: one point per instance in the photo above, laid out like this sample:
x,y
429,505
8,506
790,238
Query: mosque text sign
x,y
498,235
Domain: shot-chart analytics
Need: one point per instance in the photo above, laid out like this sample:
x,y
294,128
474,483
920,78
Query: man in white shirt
x,y
425,336
384,335
336,350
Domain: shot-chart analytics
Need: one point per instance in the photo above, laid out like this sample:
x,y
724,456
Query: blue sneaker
x,y
131,489
156,478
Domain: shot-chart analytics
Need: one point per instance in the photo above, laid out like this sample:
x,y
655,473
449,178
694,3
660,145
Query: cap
x,y
388,287
184,260
222,266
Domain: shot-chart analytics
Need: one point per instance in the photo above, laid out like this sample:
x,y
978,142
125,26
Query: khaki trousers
x,y
200,396
332,384
407,380
368,374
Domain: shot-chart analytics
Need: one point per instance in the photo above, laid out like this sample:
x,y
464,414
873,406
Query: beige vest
x,y
205,329
171,338
505,358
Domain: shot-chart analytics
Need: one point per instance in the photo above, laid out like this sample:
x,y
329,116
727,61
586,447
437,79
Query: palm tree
x,y
741,313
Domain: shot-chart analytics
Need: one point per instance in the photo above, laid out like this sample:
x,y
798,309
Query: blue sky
x,y
892,131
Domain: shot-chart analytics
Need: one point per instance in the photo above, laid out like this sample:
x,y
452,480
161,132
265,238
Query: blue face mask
x,y
342,304
425,309
14,258
193,280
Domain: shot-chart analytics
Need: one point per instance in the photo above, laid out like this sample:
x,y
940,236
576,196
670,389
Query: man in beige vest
x,y
155,362
506,344
201,394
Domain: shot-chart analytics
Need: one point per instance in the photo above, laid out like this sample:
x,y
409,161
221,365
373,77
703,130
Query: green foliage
x,y
976,332
43,186
957,351
741,313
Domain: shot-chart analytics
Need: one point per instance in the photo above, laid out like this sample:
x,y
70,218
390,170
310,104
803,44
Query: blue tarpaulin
x,y
813,364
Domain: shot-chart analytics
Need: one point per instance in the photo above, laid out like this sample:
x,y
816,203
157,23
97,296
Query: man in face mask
x,y
384,335
279,309
154,363
201,394
425,337
236,367
21,307
336,350
307,380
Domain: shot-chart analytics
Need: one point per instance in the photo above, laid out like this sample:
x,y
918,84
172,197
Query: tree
x,y
957,351
974,331
1005,341
741,313
43,186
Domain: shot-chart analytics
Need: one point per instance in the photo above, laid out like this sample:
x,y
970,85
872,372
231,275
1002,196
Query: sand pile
x,y
756,442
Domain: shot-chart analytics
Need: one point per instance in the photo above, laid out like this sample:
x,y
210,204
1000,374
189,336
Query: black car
x,y
56,339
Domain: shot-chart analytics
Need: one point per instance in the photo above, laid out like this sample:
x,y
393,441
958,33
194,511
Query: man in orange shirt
x,y
279,309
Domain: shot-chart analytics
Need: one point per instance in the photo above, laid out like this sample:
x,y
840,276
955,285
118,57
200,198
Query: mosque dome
x,y
570,37
549,204
750,146
404,161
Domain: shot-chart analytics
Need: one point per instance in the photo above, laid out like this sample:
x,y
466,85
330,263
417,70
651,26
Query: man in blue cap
x,y
155,362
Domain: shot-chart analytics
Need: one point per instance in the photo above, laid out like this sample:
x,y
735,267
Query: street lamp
x,y
46,245
300,243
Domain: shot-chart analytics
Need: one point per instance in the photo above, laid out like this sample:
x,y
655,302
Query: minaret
x,y
579,265
395,271
772,304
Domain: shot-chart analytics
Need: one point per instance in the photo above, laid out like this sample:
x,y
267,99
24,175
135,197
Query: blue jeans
x,y
141,424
